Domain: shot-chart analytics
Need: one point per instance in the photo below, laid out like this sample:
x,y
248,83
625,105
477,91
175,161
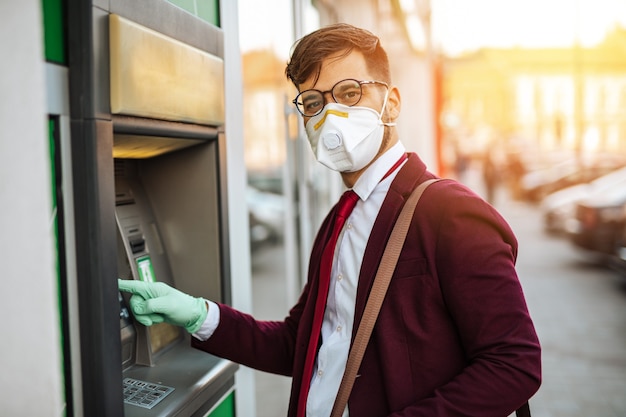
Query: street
x,y
579,310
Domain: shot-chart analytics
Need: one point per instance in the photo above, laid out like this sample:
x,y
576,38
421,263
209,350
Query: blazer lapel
x,y
409,177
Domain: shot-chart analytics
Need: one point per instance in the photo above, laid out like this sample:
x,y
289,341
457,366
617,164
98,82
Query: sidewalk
x,y
270,303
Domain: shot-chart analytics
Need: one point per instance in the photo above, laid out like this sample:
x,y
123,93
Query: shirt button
x,y
349,226
320,373
339,277
338,328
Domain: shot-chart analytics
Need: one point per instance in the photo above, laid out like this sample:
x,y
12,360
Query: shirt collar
x,y
373,175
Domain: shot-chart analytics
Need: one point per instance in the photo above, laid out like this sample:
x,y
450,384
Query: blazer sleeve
x,y
271,346
474,258
264,345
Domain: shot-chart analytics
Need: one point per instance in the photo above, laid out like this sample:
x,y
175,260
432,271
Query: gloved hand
x,y
157,302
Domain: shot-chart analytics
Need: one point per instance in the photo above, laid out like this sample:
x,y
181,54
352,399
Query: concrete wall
x,y
238,213
30,356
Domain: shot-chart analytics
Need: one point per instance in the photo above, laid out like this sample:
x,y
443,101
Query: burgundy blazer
x,y
453,337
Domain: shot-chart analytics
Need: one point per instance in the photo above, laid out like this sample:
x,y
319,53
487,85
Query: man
x,y
453,336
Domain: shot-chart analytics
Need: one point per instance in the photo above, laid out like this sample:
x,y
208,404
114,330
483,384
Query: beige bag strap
x,y
375,299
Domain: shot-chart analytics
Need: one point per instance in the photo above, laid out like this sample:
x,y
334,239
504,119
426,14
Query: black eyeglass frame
x,y
323,94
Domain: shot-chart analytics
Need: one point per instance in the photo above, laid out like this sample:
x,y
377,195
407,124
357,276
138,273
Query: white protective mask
x,y
344,138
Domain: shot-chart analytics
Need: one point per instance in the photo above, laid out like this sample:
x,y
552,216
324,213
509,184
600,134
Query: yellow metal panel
x,y
139,147
155,76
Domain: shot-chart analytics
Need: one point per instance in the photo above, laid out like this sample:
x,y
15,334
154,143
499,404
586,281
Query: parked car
x,y
599,221
559,208
537,184
618,259
266,213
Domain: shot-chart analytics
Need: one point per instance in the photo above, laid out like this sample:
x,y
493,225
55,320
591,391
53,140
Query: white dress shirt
x,y
344,277
339,313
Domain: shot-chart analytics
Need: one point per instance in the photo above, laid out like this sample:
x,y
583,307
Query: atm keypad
x,y
144,394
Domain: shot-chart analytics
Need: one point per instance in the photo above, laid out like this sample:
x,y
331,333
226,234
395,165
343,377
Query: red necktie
x,y
344,208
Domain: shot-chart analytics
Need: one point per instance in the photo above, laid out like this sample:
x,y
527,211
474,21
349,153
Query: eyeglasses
x,y
347,92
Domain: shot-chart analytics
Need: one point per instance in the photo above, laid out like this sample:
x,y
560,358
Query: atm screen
x,y
145,269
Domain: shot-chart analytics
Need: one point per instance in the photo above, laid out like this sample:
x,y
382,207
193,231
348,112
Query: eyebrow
x,y
310,92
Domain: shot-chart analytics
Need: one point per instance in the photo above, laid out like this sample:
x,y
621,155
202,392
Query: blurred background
x,y
525,102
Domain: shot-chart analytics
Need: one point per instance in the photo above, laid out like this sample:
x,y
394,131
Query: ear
x,y
393,104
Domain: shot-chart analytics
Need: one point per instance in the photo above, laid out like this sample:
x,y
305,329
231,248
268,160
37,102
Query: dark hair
x,y
312,49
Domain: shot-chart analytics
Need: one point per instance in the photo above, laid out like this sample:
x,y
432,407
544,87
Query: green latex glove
x,y
157,302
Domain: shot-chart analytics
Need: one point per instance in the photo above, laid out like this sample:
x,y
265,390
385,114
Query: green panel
x,y
226,408
207,10
188,5
54,36
52,132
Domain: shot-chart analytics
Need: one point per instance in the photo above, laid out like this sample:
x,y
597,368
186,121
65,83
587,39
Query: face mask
x,y
344,138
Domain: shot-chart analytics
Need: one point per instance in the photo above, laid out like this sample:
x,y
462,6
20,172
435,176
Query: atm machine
x,y
148,165
167,228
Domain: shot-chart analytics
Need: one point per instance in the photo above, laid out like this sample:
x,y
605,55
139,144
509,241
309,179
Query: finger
x,y
134,287
149,319
138,305
160,305
146,320
138,308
